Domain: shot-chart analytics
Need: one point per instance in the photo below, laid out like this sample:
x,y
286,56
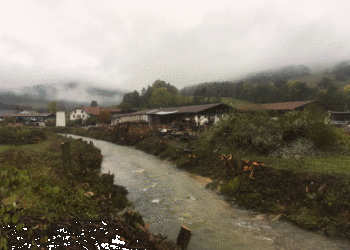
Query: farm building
x,y
198,114
28,117
281,108
340,119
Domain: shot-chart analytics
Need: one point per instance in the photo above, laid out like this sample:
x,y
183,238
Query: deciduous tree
x,y
93,104
105,117
160,98
52,106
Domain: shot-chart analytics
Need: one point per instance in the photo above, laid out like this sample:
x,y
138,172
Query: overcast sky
x,y
127,45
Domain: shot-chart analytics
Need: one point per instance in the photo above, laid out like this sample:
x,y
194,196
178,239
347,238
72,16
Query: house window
x,y
75,111
79,116
73,116
83,116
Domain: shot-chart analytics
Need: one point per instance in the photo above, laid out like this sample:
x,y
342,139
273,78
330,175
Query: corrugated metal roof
x,y
166,113
275,106
26,113
179,110
7,112
31,114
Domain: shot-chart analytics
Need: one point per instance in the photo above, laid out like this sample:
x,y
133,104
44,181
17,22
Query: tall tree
x,y
133,98
93,104
52,106
160,98
325,83
125,106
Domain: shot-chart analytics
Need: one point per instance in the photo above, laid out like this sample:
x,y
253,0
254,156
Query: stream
x,y
168,198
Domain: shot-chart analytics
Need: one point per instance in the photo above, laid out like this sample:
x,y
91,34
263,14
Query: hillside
x,y
311,80
234,102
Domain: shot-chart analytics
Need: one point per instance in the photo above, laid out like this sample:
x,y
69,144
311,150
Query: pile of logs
x,y
84,234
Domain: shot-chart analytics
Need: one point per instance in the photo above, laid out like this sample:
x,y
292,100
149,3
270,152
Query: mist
x,y
111,48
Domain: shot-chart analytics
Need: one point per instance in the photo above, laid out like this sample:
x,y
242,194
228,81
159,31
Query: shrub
x,y
301,148
289,135
9,119
231,187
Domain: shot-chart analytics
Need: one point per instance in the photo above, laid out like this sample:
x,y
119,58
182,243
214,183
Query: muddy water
x,y
169,198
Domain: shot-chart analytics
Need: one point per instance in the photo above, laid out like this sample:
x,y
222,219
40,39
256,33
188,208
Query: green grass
x,y
334,164
3,148
53,193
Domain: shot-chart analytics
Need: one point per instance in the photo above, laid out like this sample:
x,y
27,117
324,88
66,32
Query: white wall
x,y
115,120
77,112
147,118
203,119
60,119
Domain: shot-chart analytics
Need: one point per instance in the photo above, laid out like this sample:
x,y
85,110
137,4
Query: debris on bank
x,y
85,234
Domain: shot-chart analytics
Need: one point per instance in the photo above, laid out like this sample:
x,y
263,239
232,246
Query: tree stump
x,y
184,237
67,163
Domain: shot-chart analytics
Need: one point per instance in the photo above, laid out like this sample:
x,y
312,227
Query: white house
x,y
84,112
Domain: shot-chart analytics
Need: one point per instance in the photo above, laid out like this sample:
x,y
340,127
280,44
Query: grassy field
x,y
333,164
47,189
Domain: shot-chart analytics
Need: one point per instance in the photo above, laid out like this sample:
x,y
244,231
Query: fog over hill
x,y
73,93
68,95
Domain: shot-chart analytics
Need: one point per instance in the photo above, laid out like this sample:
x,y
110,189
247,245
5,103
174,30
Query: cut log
x,y
184,237
65,146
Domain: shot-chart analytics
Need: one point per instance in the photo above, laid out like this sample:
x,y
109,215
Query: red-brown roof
x,y
112,110
275,106
90,110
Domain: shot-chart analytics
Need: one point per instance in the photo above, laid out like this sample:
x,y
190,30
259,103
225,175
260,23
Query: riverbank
x,y
37,194
290,190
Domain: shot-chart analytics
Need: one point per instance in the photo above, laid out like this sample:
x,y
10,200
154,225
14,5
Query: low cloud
x,y
121,48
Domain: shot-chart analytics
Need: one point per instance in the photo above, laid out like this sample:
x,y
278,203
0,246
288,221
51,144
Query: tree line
x,y
260,88
158,95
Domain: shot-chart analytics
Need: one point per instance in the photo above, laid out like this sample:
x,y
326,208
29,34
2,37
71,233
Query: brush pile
x,y
129,133
84,234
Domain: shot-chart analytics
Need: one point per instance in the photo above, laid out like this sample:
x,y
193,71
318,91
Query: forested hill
x,y
292,83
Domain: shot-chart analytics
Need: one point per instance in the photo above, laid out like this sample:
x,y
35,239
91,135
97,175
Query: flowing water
x,y
169,198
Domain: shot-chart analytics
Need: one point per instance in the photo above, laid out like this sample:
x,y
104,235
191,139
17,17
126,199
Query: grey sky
x,y
127,45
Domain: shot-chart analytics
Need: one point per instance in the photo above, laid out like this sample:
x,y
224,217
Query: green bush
x,y
12,135
230,187
288,135
92,120
300,148
9,119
